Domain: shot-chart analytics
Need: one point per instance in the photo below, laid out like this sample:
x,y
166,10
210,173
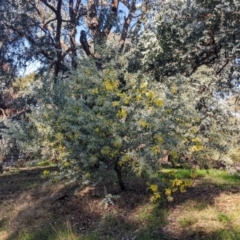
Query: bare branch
x,y
113,14
84,42
224,65
77,6
51,20
50,6
126,24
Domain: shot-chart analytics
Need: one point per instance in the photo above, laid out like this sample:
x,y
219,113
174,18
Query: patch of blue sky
x,y
123,13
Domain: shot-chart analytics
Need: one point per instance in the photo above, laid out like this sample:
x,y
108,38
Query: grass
x,y
183,173
187,222
215,176
31,209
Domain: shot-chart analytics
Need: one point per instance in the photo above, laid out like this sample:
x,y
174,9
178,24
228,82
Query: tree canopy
x,y
115,105
49,31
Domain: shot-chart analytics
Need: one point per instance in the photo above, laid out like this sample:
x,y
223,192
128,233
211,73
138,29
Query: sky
x,y
34,66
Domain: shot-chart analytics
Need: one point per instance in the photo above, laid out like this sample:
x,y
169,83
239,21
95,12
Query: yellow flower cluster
x,y
194,129
107,151
115,103
176,182
110,85
59,137
158,139
46,173
159,102
143,85
176,185
168,111
150,95
117,143
156,150
122,113
174,155
172,185
154,187
88,72
144,124
168,194
87,175
197,145
95,91
66,164
124,159
156,194
197,140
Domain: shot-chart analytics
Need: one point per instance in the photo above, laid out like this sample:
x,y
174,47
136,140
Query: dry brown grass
x,y
30,204
31,208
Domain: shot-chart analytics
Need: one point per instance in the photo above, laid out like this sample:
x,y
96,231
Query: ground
x,y
34,208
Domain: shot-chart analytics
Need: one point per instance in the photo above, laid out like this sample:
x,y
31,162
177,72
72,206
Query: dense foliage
x,y
123,109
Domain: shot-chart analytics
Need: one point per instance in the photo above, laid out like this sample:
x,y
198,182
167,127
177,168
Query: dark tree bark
x,y
84,42
118,170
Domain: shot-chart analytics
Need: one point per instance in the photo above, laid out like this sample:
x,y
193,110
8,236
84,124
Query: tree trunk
x,y
118,170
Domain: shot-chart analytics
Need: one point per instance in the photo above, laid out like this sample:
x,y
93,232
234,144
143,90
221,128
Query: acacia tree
x,y
189,35
45,32
120,115
98,120
116,119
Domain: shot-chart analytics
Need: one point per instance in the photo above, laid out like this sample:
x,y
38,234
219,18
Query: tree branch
x,y
50,6
113,14
126,25
91,19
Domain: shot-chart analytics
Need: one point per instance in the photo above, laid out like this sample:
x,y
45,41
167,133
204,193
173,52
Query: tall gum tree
x,y
46,30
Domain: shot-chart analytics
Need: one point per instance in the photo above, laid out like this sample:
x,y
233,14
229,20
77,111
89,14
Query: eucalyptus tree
x,y
46,31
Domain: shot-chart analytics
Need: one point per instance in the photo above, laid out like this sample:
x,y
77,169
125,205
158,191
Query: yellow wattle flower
x,y
159,102
115,103
122,113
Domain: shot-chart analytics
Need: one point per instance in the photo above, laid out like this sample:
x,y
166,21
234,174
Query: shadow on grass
x,y
204,211
222,234
36,210
207,184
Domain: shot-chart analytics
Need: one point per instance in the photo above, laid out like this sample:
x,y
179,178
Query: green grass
x,y
182,173
222,177
229,234
193,213
45,163
187,222
215,176
224,218
48,232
